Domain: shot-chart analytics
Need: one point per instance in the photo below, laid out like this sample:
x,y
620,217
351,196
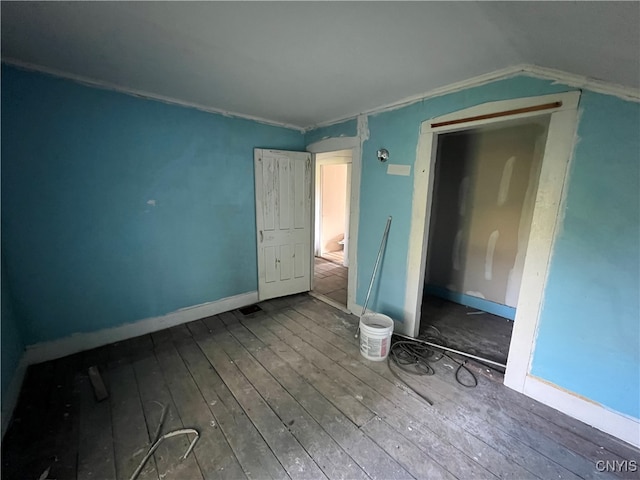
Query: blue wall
x,y
11,344
85,249
592,294
589,333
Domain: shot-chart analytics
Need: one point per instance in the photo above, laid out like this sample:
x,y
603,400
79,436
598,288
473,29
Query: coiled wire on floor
x,y
415,358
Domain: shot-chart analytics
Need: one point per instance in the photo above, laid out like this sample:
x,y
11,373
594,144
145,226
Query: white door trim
x,y
558,149
547,215
355,144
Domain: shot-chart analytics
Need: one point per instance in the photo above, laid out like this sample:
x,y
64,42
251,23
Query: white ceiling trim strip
x,y
599,86
140,93
579,81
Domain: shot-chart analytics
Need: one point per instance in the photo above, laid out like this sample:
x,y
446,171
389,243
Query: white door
x,y
283,222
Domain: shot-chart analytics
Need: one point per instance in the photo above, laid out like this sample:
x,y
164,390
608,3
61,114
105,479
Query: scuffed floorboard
x,y
284,393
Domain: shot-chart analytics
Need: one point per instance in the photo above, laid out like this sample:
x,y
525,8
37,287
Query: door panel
x,y
298,261
283,221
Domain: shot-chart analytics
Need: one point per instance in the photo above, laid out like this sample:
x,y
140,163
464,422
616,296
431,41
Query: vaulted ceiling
x,y
304,63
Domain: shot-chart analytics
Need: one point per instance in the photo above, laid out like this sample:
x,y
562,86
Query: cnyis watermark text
x,y
617,466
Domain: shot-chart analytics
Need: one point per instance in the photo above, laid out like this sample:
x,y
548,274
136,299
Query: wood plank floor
x,y
467,329
330,280
284,393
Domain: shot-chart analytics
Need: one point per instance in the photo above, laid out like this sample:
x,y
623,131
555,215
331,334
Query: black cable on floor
x,y
415,358
463,366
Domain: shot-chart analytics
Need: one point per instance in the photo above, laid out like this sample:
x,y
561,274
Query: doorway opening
x,y
332,217
484,191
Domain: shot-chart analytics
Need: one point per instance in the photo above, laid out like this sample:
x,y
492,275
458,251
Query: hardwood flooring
x,y
467,329
336,257
330,280
284,393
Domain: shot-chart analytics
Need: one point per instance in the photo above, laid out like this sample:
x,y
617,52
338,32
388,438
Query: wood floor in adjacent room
x,y
284,393
331,280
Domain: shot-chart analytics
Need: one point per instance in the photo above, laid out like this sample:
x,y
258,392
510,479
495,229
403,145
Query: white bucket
x,y
375,336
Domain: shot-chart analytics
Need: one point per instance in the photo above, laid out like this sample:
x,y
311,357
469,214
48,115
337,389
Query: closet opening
x,y
484,192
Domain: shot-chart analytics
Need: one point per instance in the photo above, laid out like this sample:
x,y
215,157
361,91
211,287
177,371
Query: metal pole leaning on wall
x,y
383,243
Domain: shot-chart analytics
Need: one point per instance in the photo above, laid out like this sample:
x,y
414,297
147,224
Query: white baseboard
x,y
10,398
614,423
42,352
617,424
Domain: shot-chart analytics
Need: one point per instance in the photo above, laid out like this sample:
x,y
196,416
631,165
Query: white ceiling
x,y
304,63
